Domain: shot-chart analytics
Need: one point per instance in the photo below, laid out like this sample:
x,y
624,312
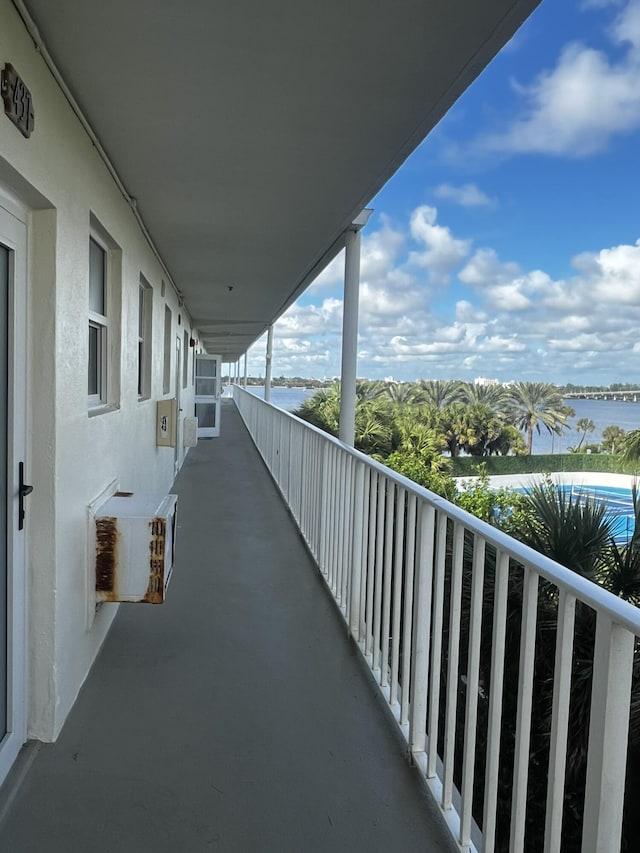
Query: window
x,y
98,323
145,314
166,376
104,308
185,361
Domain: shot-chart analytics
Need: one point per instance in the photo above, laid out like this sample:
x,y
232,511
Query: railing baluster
x,y
436,662
335,527
523,720
348,535
494,724
386,584
559,721
608,737
398,560
339,525
379,573
371,561
319,450
407,617
324,507
455,608
473,683
363,628
357,577
420,652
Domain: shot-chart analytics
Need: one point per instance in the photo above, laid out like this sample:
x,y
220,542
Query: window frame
x,y
145,336
100,322
168,346
185,360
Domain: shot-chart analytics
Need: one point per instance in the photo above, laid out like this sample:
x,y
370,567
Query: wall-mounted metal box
x,y
190,432
134,547
166,423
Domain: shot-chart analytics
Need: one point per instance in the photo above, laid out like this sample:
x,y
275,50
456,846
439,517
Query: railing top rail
x,y
601,600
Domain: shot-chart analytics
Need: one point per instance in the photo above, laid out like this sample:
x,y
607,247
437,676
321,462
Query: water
x,y
603,413
284,398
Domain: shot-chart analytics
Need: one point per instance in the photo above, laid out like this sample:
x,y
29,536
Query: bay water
x,y
603,413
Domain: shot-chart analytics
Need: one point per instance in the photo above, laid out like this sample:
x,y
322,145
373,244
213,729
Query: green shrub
x,y
544,463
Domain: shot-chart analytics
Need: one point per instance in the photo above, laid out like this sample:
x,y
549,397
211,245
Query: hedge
x,y
543,463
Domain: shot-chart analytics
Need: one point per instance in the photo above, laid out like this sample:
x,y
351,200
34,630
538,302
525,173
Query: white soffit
x,y
252,132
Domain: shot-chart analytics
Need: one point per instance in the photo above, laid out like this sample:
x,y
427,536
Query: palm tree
x,y
535,404
439,393
568,527
611,437
489,395
584,425
453,425
629,447
374,428
322,409
400,393
369,389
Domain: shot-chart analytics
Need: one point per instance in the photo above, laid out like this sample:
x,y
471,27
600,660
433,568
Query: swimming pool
x,y
618,501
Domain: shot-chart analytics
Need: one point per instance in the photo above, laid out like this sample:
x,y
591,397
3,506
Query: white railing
x,y
449,614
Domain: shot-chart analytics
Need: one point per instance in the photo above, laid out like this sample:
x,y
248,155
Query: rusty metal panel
x,y
107,557
134,547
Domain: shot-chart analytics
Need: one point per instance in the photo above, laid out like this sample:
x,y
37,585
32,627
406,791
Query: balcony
x,y
238,716
272,702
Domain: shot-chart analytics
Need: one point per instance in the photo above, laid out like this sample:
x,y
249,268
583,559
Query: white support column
x,y
349,337
350,329
245,370
267,377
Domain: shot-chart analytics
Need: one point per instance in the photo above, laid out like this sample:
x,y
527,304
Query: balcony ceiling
x,y
251,133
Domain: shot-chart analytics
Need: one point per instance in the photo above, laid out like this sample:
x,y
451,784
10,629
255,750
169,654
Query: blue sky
x,y
508,244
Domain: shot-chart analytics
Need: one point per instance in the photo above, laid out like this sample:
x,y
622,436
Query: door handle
x,y
23,490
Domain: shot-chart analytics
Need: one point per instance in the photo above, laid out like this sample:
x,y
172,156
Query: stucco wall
x,y
72,457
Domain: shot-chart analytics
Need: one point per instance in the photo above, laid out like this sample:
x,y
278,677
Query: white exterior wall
x,y
72,457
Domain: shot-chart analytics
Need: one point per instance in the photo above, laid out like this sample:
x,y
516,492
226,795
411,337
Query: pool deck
x,y
561,478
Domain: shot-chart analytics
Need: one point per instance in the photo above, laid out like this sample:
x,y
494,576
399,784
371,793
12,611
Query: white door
x,y
14,473
179,450
208,395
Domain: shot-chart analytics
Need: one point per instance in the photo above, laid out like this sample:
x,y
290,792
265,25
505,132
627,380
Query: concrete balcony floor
x,y
235,717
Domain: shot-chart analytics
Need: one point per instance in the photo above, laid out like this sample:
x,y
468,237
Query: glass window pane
x,y
141,316
94,366
166,381
206,367
205,387
140,367
97,257
206,414
185,361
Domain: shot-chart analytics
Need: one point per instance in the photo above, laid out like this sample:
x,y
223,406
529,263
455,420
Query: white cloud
x,y
575,108
331,275
485,267
612,276
443,252
494,317
466,195
311,319
599,4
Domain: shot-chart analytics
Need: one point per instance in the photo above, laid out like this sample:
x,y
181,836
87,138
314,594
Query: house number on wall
x,y
17,100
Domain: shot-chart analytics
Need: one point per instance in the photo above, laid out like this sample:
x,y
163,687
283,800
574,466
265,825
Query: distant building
x,y
482,380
